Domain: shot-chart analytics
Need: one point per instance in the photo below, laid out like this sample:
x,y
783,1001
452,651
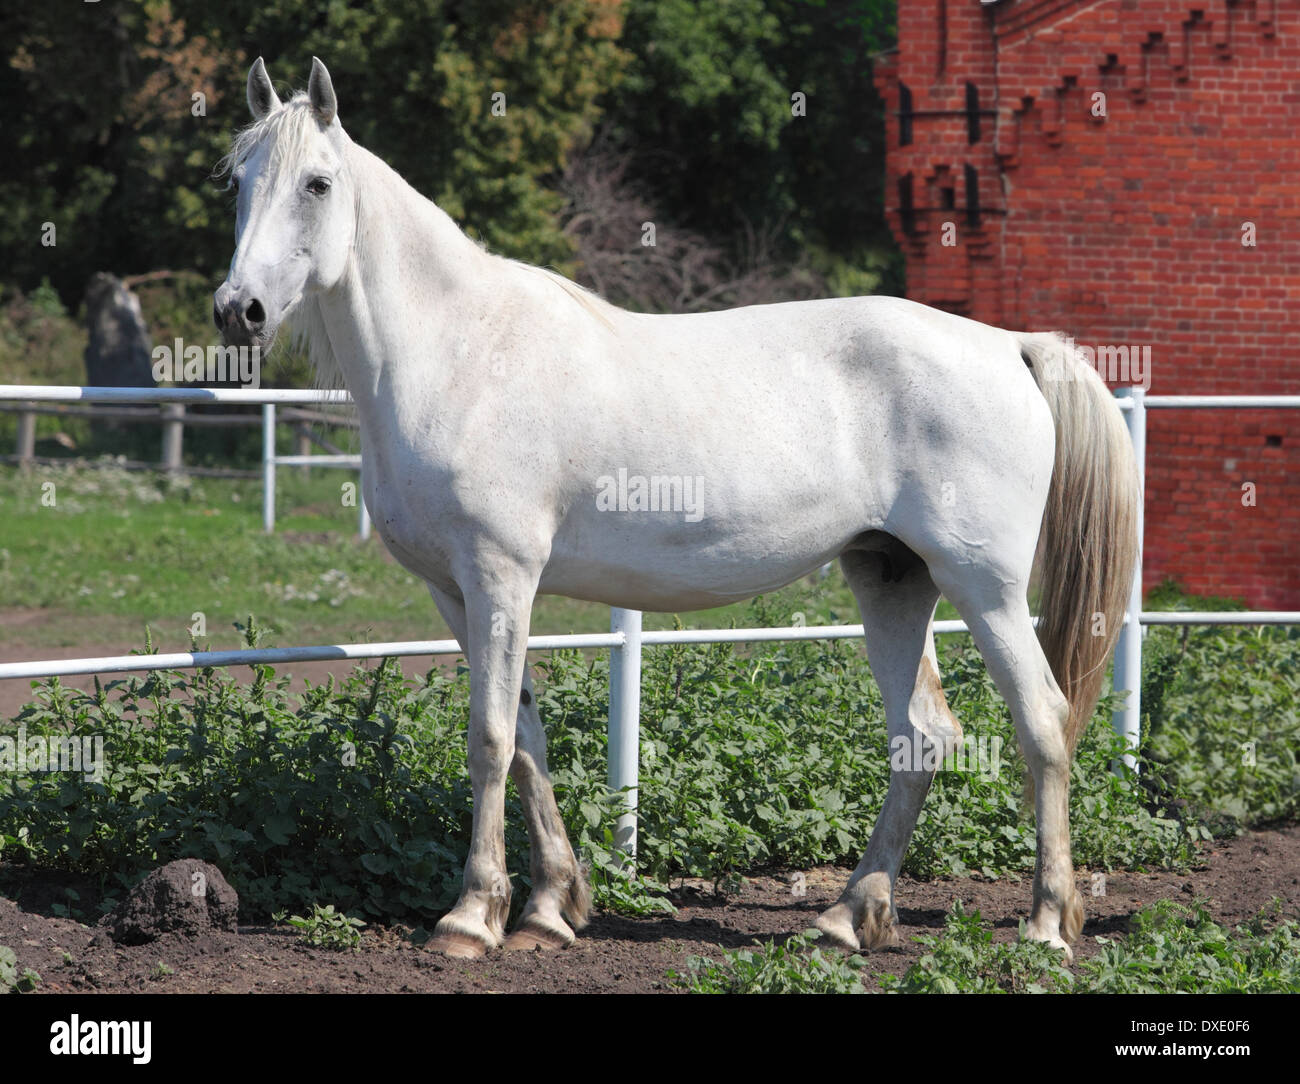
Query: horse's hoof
x,y
458,940
836,926
878,929
1052,939
534,934
458,946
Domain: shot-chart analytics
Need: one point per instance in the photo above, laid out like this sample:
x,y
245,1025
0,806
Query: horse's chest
x,y
405,510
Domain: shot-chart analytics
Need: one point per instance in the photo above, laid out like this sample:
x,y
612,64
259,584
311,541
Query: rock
x,y
188,897
118,347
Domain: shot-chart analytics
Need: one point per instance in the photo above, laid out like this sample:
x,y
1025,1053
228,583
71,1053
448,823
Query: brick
x,y
1129,230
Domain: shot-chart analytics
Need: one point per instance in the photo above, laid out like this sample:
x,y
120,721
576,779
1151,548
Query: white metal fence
x,y
270,461
626,638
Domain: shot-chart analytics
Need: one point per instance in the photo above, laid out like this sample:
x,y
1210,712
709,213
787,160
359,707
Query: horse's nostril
x,y
255,314
216,316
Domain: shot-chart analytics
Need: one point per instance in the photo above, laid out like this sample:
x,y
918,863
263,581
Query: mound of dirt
x,y
185,897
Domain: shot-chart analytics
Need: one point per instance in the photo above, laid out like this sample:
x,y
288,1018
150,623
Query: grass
x,y
118,550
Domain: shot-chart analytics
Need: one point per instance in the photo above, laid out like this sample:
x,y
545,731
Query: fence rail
x,y
174,419
626,637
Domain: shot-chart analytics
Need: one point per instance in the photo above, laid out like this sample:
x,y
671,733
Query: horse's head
x,y
295,216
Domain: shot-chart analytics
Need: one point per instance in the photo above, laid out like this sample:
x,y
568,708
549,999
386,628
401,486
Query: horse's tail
x,y
1088,544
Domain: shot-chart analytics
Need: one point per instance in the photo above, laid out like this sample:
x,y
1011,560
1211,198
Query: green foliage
x,y
707,112
1172,948
13,981
1113,824
1222,713
327,928
794,967
104,141
39,342
1170,595
751,759
964,960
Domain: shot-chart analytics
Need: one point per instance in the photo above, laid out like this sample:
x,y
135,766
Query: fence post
x,y
173,431
26,448
268,467
302,447
625,722
1127,721
363,514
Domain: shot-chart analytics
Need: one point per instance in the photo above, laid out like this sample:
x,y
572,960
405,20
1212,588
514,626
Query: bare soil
x,y
614,954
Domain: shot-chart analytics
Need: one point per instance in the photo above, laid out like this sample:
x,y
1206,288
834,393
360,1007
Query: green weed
x,y
795,967
327,928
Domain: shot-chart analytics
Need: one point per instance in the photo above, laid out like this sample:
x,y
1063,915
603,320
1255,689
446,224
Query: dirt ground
x,y
614,954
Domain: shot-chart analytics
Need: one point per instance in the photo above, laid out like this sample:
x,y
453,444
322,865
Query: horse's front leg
x,y
496,608
560,890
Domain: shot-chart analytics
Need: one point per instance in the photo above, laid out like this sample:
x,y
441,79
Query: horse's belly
x,y
628,559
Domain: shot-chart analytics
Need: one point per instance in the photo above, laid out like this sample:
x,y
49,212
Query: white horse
x,y
521,435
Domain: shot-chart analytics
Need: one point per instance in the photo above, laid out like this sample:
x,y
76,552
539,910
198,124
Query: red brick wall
x,y
1127,229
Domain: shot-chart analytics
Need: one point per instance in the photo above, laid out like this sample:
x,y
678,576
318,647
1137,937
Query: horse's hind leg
x,y
560,888
897,598
996,610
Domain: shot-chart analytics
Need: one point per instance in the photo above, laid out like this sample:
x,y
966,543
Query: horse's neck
x,y
409,274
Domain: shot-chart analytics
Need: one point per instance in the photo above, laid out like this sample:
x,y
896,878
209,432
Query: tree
x,y
101,140
707,111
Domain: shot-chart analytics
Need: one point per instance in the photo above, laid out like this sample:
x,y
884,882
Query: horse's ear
x,y
320,91
262,98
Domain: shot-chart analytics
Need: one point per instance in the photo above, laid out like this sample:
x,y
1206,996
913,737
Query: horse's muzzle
x,y
240,319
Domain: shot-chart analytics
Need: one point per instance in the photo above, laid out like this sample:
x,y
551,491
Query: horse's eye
x,y
318,186
234,183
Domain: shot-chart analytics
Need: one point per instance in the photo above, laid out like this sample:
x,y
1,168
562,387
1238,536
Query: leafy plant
x,y
327,928
13,981
776,756
1172,948
795,967
964,960
1223,722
